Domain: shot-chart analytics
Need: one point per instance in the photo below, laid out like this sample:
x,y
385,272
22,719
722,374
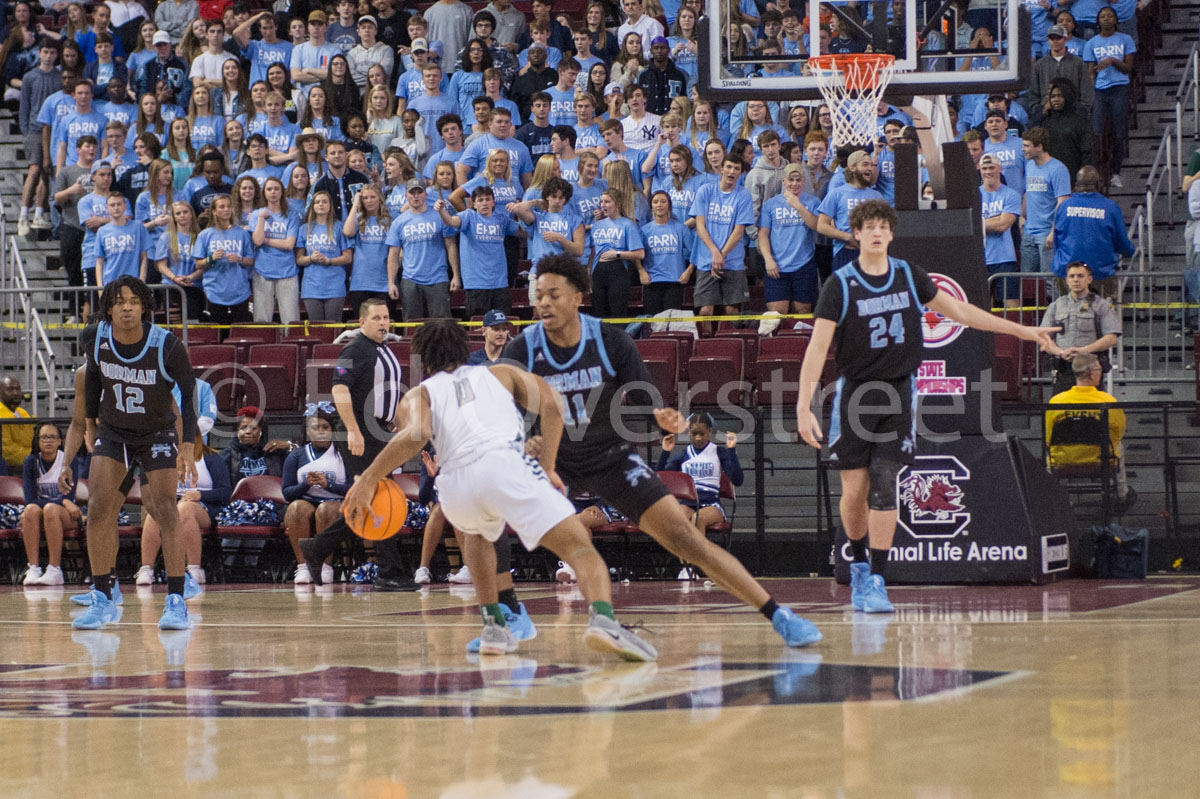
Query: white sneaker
x,y
52,576
685,574
326,573
144,576
1115,182
423,576
303,576
23,226
33,575
40,222
461,577
197,574
565,573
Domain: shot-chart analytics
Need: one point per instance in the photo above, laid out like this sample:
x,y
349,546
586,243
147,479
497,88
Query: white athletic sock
x,y
24,212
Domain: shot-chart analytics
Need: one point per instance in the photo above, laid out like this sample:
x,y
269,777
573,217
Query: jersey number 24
x,y
884,329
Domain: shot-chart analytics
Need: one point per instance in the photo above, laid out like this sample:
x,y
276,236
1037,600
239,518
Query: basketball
x,y
389,510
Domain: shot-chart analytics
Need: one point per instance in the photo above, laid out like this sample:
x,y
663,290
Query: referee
x,y
367,390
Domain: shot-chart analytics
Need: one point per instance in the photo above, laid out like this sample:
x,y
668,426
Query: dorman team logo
x,y
929,496
937,329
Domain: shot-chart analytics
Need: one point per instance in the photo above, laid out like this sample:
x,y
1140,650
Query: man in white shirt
x,y
641,128
124,11
368,51
637,21
206,69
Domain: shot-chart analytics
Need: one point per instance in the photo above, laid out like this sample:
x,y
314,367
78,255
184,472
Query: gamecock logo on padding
x,y
929,496
937,329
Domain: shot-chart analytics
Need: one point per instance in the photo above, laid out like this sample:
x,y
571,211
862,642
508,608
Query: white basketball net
x,y
852,89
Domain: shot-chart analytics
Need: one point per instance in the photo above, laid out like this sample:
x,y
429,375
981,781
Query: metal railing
x,y
1189,89
1160,181
39,354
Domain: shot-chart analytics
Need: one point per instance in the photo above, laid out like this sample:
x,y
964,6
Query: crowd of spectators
x,y
278,162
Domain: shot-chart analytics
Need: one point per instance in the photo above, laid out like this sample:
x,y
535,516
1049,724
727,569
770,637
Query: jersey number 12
x,y
129,398
882,330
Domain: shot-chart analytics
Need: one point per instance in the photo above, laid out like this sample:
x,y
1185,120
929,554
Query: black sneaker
x,y
397,582
314,561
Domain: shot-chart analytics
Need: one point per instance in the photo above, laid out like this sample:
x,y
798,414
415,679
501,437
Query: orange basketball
x,y
389,510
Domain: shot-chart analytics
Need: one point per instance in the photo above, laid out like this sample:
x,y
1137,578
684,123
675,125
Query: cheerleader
x,y
47,510
314,482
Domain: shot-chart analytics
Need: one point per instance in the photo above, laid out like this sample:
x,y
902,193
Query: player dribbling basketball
x,y
871,308
485,479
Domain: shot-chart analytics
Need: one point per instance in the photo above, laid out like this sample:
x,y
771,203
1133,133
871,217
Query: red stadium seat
x,y
778,369
286,354
269,386
724,529
411,483
305,343
661,356
260,335
318,379
254,549
749,339
197,334
212,355
680,485
326,352
687,342
716,363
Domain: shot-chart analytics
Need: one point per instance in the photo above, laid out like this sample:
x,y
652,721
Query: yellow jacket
x,y
17,439
1078,454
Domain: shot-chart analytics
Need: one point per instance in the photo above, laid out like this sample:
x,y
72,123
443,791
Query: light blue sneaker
x,y
859,572
794,630
874,596
191,588
85,599
101,611
519,624
175,615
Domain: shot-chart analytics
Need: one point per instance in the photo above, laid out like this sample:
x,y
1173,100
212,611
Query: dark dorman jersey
x,y
128,387
878,319
592,376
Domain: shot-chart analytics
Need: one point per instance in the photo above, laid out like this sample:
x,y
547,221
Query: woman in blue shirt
x,y
314,482
153,206
616,242
274,230
173,255
366,228
180,152
149,120
682,184
208,127
318,115
247,197
198,505
665,271
225,256
496,175
310,146
323,252
47,511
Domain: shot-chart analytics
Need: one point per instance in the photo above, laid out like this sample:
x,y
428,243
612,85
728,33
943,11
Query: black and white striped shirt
x,y
374,377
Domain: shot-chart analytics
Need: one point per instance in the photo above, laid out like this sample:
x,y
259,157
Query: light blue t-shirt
x,y
431,110
422,238
443,154
147,208
588,136
614,234
667,249
632,157
564,223
553,57
569,169
792,241
320,281
93,206
330,128
1012,160
1043,186
464,88
838,204
208,130
262,55
71,127
722,212
585,200
225,283
368,270
562,106
683,197
411,85
505,191
270,262
184,263
475,156
307,56
998,247
885,183
122,112
281,137
483,264
1116,46
121,248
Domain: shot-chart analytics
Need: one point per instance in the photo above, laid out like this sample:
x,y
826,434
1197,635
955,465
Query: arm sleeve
x,y
292,489
1106,319
179,368
730,464
350,364
222,485
91,381
671,461
829,301
926,290
627,363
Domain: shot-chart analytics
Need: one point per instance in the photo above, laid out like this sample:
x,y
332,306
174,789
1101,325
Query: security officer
x,y
1088,322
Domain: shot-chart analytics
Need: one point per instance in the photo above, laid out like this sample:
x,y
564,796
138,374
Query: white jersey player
x,y
486,481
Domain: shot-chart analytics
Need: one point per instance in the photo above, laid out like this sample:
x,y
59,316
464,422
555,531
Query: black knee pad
x,y
882,479
503,547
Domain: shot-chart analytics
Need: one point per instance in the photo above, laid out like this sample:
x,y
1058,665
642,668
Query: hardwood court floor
x,y
1078,689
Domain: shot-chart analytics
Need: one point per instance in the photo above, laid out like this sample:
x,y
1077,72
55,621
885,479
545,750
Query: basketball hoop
x,y
852,86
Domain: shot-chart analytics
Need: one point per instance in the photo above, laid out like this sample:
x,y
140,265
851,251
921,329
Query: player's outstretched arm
x,y
969,315
403,446
807,424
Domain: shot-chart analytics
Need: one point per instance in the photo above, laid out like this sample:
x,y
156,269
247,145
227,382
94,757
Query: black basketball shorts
x,y
620,478
157,451
871,420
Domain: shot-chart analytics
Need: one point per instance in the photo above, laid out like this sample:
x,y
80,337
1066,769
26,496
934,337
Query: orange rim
x,y
861,70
